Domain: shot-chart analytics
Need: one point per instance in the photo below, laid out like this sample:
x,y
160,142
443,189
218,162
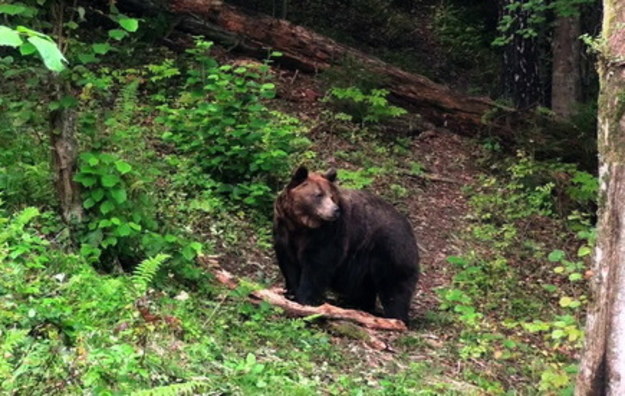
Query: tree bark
x,y
602,369
257,34
566,74
64,150
520,74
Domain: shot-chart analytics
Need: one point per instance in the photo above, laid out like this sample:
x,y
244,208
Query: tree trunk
x,y
521,75
566,74
257,34
64,156
602,369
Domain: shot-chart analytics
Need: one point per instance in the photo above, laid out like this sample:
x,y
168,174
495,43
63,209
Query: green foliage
x,y
221,120
510,282
535,13
52,57
187,388
358,179
116,219
462,35
365,108
145,272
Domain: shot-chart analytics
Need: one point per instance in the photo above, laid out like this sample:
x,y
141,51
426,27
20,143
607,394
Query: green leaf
x,y
123,230
566,301
106,207
123,167
85,180
584,251
550,288
101,48
88,203
26,48
574,277
97,194
556,255
81,13
188,253
196,246
71,25
49,52
119,195
110,180
12,9
130,24
9,37
68,101
110,241
87,57
93,160
117,34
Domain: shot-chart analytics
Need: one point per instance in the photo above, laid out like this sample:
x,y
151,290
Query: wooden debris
x,y
275,296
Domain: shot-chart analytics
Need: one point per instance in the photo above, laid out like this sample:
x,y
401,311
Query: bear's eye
x,y
319,195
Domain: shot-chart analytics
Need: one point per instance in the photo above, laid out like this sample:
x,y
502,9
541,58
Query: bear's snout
x,y
329,212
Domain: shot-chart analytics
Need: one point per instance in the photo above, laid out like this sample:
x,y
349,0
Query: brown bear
x,y
349,241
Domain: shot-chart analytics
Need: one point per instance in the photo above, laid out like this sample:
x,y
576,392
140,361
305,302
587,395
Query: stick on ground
x,y
276,297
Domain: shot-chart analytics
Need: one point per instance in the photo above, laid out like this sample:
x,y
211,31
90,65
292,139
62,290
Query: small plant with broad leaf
x,y
366,108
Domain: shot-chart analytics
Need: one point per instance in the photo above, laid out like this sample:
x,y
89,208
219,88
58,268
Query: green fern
x,y
146,271
187,388
11,339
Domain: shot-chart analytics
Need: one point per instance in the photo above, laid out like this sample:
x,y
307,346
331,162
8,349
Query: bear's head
x,y
311,199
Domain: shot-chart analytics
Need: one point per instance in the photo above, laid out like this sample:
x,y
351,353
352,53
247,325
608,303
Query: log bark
x,y
275,297
602,369
303,49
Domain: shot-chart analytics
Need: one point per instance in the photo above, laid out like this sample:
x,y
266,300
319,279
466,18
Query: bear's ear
x,y
331,175
300,175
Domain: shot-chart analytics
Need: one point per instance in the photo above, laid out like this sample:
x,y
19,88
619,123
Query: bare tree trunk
x,y
566,73
64,150
602,369
521,76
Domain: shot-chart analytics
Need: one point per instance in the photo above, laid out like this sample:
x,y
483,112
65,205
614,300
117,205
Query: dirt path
x,y
438,212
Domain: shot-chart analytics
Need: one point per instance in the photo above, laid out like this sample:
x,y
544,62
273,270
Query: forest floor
x,y
434,198
430,174
498,307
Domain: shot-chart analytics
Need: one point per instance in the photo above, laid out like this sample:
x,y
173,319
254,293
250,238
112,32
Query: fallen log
x,y
276,297
256,34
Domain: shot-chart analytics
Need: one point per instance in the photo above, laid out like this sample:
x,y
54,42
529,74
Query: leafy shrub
x,y
115,217
220,120
372,107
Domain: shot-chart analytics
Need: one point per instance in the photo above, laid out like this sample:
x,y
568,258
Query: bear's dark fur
x,y
350,241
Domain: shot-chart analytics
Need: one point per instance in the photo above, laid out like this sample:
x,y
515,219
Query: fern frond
x,y
187,388
145,272
11,339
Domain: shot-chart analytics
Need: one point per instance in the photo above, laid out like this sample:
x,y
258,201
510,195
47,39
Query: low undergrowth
x,y
518,293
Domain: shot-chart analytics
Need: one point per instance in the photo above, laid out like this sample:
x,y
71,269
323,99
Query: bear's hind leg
x,y
361,296
396,298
